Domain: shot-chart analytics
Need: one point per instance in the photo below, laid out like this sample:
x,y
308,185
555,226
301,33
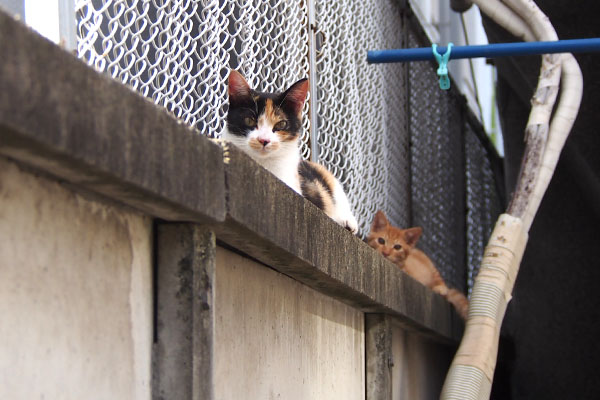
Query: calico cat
x,y
266,126
398,246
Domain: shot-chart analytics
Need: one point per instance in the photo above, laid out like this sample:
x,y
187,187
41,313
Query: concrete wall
x,y
75,294
76,305
278,339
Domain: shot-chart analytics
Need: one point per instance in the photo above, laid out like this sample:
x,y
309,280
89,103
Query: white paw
x,y
352,225
349,222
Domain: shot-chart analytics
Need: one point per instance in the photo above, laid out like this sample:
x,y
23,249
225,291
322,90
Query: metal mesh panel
x,y
437,170
483,202
362,131
178,52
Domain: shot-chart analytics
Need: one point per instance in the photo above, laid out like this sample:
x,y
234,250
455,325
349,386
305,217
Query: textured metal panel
x,y
483,201
437,170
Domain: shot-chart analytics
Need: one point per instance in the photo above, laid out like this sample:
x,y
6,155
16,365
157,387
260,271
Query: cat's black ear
x,y
412,235
238,88
379,222
294,97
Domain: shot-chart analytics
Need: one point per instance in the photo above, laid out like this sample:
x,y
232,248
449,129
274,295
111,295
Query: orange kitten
x,y
398,246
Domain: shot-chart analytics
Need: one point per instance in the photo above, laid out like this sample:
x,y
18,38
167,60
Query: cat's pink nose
x,y
264,142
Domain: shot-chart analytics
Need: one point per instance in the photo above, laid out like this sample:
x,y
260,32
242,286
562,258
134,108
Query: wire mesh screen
x,y
395,141
362,129
483,202
437,170
179,52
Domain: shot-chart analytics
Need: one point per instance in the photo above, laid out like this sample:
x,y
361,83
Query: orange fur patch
x,y
271,116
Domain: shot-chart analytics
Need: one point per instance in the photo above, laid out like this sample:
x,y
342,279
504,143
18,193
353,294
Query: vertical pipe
x,y
67,24
312,60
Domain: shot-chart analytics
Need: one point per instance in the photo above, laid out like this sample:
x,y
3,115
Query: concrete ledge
x,y
273,224
63,118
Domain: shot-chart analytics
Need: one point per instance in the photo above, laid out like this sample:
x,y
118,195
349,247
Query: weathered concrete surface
x,y
75,294
419,365
278,339
61,116
379,356
278,227
183,351
401,364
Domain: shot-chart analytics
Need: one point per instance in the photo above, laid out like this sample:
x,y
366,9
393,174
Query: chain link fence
x,y
395,141
362,115
179,52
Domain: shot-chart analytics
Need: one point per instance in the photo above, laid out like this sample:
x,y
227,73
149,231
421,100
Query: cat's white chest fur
x,y
285,168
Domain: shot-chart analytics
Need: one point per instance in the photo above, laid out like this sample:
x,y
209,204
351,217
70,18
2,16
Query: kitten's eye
x,y
250,122
397,247
281,126
381,240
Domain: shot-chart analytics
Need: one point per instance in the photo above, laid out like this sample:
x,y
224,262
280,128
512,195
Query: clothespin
x,y
442,70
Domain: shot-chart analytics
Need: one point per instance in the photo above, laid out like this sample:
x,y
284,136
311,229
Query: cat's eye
x,y
397,247
281,126
381,241
250,122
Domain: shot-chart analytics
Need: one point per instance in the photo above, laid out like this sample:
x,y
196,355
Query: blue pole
x,y
488,50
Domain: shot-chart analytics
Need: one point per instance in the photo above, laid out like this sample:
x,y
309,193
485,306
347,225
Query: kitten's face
x,y
393,243
263,124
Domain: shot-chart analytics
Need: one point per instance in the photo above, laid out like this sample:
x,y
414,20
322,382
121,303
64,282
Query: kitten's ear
x,y
380,222
294,97
237,87
412,235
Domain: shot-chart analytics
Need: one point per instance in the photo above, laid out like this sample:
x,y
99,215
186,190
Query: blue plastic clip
x,y
443,65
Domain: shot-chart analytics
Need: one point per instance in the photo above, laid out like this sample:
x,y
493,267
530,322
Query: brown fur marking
x,y
315,189
327,176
